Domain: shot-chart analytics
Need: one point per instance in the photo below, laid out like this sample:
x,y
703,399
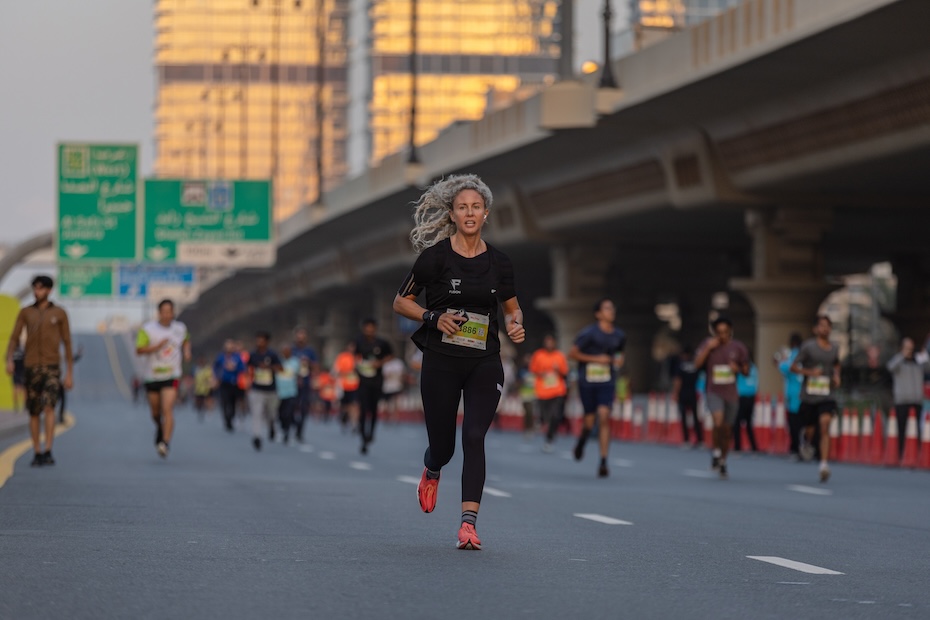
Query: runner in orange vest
x,y
344,369
550,367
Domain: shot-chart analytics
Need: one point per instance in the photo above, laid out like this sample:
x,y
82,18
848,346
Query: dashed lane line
x,y
601,519
794,565
360,466
488,490
700,473
800,488
327,456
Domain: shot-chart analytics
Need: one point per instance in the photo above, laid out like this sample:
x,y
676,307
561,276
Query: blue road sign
x,y
133,280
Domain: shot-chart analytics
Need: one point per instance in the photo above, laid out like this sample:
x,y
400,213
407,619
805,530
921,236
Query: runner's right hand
x,y
450,322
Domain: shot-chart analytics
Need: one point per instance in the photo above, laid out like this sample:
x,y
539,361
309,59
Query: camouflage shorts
x,y
43,388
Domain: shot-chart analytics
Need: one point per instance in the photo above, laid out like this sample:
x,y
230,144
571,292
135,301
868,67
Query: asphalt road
x,y
319,531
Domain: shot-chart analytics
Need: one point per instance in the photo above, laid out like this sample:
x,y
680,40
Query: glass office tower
x,y
469,53
241,93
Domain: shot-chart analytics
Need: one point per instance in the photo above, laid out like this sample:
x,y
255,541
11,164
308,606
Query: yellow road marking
x,y
9,456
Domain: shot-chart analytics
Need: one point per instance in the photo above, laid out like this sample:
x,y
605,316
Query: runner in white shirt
x,y
164,344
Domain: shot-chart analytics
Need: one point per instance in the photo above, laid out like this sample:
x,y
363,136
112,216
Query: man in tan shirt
x,y
47,329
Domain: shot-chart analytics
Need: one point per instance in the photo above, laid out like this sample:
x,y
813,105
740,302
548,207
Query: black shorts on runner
x,y
43,388
349,397
810,412
158,386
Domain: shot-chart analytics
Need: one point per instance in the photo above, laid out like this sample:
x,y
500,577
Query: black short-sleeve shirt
x,y
263,365
473,285
368,351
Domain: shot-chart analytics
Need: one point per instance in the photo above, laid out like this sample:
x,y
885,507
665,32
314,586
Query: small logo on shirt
x,y
455,282
500,388
493,290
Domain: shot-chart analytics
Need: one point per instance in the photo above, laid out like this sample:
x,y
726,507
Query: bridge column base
x,y
569,316
640,364
782,307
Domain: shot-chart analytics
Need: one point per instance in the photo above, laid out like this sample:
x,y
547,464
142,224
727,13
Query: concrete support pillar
x,y
569,316
641,329
788,284
579,279
337,329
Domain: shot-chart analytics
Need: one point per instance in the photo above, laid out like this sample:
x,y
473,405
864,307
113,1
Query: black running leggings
x,y
369,395
443,381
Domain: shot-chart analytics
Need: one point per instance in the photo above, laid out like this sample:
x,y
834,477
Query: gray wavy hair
x,y
431,215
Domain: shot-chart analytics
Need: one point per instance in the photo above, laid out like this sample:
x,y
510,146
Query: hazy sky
x,y
81,70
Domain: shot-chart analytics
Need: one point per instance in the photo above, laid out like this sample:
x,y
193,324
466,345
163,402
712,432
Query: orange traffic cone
x,y
627,430
675,434
878,441
763,430
637,424
891,446
910,441
924,460
853,456
779,433
836,446
842,452
865,456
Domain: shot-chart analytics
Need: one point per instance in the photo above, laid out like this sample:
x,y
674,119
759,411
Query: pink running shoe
x,y
468,538
426,492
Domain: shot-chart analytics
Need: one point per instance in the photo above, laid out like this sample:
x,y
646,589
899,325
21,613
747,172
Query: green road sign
x,y
85,280
97,202
226,223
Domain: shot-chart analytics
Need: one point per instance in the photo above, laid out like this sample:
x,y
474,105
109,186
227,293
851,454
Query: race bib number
x,y
367,369
162,373
818,386
723,375
550,380
597,373
263,376
472,334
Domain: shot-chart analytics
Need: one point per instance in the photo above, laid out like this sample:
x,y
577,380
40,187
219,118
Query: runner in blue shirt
x,y
597,349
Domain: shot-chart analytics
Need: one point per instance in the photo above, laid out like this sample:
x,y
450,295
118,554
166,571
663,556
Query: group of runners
x,y
454,290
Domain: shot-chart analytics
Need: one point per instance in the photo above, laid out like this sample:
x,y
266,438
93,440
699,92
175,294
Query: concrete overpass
x,y
760,153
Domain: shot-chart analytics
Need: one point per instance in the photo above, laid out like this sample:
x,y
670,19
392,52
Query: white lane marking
x,y
601,519
622,462
327,456
360,466
493,491
793,565
408,479
800,488
307,449
795,583
700,473
576,560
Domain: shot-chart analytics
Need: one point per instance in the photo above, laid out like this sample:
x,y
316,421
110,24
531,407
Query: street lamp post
x,y
607,73
320,82
413,158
